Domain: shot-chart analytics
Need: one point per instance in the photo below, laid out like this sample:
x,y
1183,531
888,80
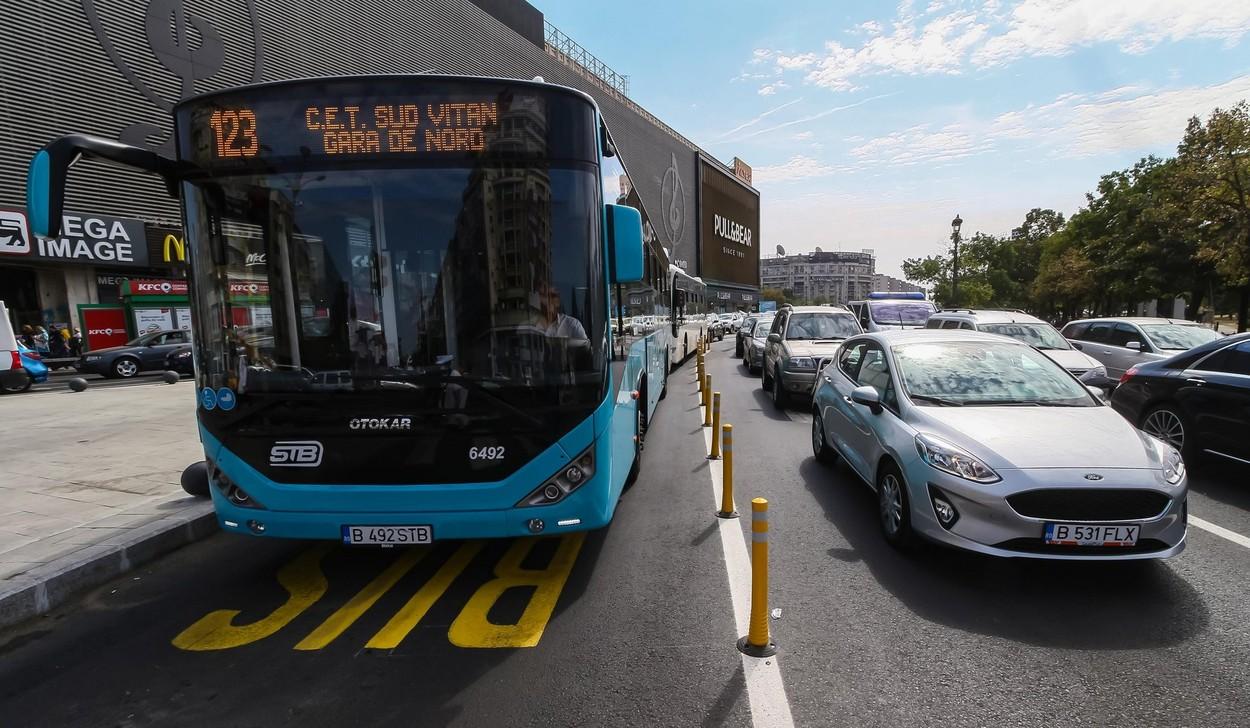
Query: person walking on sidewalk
x,y
57,347
41,341
28,336
75,343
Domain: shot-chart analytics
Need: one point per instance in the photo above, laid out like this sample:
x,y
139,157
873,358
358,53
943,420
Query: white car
x,y
1030,330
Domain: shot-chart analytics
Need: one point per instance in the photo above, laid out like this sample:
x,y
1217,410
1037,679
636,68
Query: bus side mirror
x,y
625,243
45,180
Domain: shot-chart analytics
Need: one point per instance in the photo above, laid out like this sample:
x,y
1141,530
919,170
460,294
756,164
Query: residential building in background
x,y
882,282
821,277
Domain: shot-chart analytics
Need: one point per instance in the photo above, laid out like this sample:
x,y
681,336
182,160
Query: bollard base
x,y
726,514
713,457
747,648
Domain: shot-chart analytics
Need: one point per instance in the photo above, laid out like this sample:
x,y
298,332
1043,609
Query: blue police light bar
x,y
896,295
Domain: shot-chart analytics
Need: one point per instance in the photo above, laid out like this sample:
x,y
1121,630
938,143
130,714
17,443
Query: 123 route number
x,y
491,452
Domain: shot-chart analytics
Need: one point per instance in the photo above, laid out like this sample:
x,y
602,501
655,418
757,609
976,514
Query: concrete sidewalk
x,y
89,487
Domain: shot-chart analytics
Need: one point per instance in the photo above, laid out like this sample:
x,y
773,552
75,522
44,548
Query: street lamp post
x,y
955,225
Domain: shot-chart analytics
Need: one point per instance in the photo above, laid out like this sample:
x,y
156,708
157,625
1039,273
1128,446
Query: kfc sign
x,y
150,287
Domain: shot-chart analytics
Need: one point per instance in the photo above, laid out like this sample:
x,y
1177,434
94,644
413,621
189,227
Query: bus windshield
x,y
403,278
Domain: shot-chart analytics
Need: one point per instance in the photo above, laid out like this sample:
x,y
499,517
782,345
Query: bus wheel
x,y
640,424
664,388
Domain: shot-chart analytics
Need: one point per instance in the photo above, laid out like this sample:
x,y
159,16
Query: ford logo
x,y
1093,476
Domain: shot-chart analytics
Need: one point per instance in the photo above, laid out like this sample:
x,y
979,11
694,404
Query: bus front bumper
x,y
579,511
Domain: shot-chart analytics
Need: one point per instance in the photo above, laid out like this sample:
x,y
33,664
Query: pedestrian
x,y
28,336
75,343
57,347
40,341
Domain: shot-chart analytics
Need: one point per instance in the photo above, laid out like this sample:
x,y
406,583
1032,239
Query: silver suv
x,y
801,341
1119,343
1030,330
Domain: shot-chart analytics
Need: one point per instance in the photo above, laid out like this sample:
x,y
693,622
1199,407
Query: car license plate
x,y
387,535
1091,534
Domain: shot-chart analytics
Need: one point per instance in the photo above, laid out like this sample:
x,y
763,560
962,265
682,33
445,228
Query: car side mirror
x,y
1099,393
1134,345
868,397
774,338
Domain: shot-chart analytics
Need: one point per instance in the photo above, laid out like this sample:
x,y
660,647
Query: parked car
x,y
143,353
715,327
799,342
983,443
885,311
1197,401
1030,330
744,331
181,360
29,369
1119,343
753,344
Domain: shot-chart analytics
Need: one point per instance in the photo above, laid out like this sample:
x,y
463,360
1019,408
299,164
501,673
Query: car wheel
x,y
779,393
893,506
820,444
16,389
1168,424
764,384
125,367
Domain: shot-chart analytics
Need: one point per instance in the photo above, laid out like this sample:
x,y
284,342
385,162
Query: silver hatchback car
x,y
983,443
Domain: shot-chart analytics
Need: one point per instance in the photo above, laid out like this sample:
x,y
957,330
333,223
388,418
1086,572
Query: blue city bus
x,y
402,294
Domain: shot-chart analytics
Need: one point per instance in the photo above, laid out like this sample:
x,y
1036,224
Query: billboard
x,y
729,227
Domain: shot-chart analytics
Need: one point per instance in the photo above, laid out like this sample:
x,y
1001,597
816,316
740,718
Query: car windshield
x,y
901,313
1043,336
985,373
806,326
1177,337
761,328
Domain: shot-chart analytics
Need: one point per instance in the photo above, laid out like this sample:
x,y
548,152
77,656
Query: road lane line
x,y
1220,531
347,614
765,690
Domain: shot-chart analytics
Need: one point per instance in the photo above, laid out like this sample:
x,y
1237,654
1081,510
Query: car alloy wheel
x,y
779,394
893,506
126,368
1167,426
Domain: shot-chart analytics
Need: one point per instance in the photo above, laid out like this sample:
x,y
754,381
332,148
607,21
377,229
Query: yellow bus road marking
x,y
411,613
305,584
347,614
472,628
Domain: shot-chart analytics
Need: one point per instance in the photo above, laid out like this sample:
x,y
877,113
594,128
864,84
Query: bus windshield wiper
x,y
935,400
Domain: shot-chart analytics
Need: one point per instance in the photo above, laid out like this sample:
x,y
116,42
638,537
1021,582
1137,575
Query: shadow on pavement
x,y
1095,605
1222,481
767,408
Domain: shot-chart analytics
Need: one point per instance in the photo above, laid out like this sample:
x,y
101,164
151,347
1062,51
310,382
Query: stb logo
x,y
183,44
295,454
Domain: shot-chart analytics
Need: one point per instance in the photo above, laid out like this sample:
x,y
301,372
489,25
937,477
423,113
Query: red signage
x,y
157,287
104,327
248,288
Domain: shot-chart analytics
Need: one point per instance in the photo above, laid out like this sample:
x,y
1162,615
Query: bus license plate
x,y
387,535
1091,534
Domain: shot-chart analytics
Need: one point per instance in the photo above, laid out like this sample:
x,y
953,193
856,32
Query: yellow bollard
x,y
727,476
757,642
715,427
707,401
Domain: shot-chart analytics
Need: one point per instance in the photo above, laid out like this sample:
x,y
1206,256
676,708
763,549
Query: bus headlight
x,y
565,480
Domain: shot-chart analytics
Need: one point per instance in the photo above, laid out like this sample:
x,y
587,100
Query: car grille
x,y
1078,372
1089,504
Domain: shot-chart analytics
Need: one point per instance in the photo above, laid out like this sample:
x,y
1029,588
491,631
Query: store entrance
x,y
20,296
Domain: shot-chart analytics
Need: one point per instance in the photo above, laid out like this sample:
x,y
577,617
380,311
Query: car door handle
x,y
1196,381
847,399
829,379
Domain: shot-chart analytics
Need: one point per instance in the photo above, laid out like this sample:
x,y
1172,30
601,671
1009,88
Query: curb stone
x,y
48,586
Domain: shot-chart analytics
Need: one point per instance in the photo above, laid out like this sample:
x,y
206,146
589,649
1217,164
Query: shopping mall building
x,y
116,68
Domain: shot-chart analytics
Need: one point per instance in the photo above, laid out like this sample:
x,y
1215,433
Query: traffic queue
x,y
991,431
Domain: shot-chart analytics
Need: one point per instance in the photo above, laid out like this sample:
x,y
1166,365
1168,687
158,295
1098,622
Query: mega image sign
x,y
87,239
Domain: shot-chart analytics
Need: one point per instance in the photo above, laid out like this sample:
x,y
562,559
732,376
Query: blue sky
x,y
870,124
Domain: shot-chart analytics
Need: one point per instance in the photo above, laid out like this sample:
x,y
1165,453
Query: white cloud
x,y
1055,27
934,43
801,120
919,145
772,88
803,136
796,168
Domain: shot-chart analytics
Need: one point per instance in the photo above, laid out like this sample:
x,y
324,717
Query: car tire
x,y
764,384
820,442
894,507
778,391
18,389
124,367
1168,423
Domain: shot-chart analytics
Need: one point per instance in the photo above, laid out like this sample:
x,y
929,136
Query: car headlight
x,y
946,457
802,362
1173,466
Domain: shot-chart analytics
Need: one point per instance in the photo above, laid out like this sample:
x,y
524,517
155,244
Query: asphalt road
x,y
640,629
